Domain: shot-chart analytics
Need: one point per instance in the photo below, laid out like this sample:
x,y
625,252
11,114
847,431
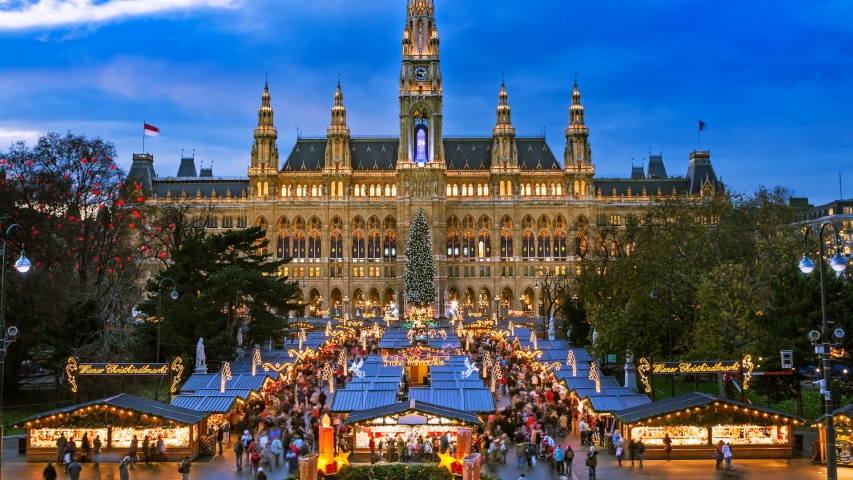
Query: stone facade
x,y
501,207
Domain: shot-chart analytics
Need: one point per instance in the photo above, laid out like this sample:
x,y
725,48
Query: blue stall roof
x,y
204,403
479,400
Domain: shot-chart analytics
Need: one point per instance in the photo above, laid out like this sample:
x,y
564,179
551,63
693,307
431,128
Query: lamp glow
x,y
806,265
174,295
838,263
23,264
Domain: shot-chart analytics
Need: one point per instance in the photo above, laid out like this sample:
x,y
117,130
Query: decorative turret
x,y
578,151
420,88
264,149
503,148
337,146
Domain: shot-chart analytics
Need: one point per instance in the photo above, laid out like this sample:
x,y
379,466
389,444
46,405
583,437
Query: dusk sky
x,y
773,81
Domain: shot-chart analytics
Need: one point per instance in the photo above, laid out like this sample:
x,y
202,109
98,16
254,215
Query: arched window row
x,y
374,190
544,189
468,190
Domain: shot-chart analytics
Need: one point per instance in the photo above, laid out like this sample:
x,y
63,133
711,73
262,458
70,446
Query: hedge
x,y
398,471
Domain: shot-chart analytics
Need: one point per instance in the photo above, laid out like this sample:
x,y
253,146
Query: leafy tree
x,y
420,266
224,281
711,260
79,218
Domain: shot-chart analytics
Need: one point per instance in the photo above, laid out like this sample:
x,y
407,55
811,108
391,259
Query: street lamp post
x,y
174,296
838,263
8,335
498,307
540,304
346,309
654,294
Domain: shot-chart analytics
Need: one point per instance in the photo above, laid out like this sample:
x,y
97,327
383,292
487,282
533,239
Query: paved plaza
x,y
222,468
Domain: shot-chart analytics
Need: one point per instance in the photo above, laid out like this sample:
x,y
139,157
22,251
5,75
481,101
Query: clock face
x,y
421,73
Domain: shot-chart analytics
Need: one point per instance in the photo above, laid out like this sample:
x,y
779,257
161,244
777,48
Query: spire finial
x,y
266,80
576,79
502,79
339,79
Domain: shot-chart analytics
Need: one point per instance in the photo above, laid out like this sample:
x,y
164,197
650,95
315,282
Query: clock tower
x,y
420,88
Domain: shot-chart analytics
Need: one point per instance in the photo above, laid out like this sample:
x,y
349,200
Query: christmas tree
x,y
420,266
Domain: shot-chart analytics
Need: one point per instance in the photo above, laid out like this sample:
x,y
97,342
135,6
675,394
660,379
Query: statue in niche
x,y
200,359
348,189
406,191
434,187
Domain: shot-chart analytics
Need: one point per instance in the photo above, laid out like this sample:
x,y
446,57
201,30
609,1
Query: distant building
x,y
502,206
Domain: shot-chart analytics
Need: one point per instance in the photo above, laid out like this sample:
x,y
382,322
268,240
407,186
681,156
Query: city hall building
x,y
502,206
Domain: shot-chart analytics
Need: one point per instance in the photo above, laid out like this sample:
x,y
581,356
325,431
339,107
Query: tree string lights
x,y
573,362
224,376
420,266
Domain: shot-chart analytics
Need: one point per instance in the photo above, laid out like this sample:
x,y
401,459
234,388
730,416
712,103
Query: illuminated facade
x,y
501,207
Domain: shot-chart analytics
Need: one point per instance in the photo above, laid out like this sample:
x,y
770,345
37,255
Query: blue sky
x,y
771,79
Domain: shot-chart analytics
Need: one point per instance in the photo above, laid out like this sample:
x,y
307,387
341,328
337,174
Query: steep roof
x,y
131,402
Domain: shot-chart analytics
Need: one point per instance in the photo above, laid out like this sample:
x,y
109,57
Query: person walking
x,y
632,450
146,449
559,457
60,448
74,470
372,445
96,449
161,449
592,461
255,462
619,451
520,454
49,473
718,455
238,454
220,435
392,450
85,448
727,455
667,446
261,474
569,457
641,450
185,467
226,432
123,473
277,449
70,450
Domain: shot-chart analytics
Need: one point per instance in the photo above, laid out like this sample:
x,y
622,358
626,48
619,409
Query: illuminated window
x,y
421,147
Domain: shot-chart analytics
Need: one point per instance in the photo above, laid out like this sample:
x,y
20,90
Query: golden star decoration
x,y
342,459
447,461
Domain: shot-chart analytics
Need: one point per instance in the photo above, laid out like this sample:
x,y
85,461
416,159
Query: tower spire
x,y
577,134
337,145
503,134
264,149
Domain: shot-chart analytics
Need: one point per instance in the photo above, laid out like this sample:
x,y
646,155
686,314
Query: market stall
x,y
696,422
404,419
843,435
116,419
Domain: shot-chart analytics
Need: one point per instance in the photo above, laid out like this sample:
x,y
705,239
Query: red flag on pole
x,y
151,130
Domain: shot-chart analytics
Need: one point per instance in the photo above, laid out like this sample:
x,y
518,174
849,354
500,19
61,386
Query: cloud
x,y
9,136
56,13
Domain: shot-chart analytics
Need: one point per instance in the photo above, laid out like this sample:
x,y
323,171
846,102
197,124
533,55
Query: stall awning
x,y
413,406
136,404
203,403
843,414
479,400
693,400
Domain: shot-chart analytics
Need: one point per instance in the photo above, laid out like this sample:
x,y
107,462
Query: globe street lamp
x,y
838,263
23,266
654,294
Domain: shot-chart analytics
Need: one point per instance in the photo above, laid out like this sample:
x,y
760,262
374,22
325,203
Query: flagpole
x,y
143,137
699,133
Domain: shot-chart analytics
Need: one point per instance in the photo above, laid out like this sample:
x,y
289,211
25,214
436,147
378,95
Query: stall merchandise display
x,y
172,437
46,437
679,435
751,434
363,434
